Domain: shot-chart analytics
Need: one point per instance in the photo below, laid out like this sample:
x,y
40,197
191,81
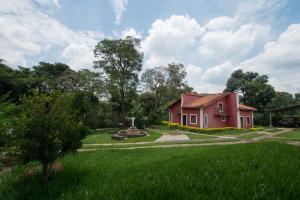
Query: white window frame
x,y
224,118
206,124
219,107
191,118
248,117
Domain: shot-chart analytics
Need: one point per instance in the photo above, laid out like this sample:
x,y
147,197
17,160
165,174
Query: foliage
x,y
48,127
121,62
254,87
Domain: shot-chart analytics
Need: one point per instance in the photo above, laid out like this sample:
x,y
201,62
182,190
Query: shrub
x,y
48,128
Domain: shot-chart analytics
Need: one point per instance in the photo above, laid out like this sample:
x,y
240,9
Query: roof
x,y
205,100
244,107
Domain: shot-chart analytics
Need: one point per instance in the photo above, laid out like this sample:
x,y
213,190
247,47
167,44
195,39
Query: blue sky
x,y
211,38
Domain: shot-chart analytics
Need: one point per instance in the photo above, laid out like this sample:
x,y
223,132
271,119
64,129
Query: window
x,y
193,119
205,121
223,118
220,107
248,120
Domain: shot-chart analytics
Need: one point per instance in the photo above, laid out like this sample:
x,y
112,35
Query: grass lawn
x,y
293,134
273,130
124,145
104,137
250,135
246,171
229,132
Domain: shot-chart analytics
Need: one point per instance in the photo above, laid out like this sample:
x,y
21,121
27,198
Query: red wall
x,y
213,120
175,109
245,114
231,109
188,112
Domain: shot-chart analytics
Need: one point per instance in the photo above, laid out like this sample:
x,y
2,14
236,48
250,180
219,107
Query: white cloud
x,y
119,7
169,39
30,30
222,23
280,60
220,45
131,32
217,46
252,7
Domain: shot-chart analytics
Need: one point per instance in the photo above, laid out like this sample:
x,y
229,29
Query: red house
x,y
211,111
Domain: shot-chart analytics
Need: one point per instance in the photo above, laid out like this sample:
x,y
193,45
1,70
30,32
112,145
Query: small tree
x,y
48,128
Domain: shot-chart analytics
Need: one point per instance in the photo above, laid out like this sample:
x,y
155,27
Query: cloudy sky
x,y
211,38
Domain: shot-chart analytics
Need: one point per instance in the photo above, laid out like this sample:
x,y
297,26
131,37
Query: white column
x,y
201,118
181,116
238,110
252,119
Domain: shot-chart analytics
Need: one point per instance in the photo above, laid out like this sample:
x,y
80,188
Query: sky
x,y
211,38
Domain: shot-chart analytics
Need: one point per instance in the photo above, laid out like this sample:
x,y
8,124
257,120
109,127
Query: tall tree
x,y
121,61
155,80
254,88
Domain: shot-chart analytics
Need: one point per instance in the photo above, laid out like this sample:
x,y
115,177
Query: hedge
x,y
205,130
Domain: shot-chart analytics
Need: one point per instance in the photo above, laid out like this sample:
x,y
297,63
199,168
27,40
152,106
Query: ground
x,y
260,165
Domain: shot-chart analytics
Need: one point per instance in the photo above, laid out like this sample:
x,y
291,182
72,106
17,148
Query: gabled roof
x,y
205,100
244,107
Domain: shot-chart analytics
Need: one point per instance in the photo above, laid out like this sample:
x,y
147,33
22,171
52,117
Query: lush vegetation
x,y
247,171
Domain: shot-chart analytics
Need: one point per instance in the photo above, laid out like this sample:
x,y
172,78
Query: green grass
x,y
250,135
104,137
293,134
229,132
246,171
272,130
124,145
199,136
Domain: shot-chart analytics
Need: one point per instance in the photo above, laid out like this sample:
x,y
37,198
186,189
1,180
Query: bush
x,y
170,125
48,128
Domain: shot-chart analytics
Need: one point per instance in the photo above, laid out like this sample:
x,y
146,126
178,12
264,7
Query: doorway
x,y
242,121
184,120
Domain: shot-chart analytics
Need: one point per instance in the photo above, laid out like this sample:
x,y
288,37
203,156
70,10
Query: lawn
x,y
104,137
246,171
293,134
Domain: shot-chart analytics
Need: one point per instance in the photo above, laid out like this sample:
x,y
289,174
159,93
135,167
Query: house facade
x,y
211,111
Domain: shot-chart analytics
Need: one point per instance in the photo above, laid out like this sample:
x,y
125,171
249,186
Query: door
x,y
184,120
242,122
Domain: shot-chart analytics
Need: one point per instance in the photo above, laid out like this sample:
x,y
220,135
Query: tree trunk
x,y
46,172
123,108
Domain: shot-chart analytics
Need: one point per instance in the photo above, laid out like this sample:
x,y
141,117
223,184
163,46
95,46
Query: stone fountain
x,y
131,132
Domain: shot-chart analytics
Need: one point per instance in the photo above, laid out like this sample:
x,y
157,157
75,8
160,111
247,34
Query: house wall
x,y
175,110
231,109
245,114
188,112
215,121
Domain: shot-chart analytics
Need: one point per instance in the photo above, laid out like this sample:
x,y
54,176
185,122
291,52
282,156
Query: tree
x,y
121,62
163,85
155,80
254,88
48,128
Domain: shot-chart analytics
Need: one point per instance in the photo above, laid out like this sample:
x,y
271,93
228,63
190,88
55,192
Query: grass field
x,y
246,171
104,137
293,134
